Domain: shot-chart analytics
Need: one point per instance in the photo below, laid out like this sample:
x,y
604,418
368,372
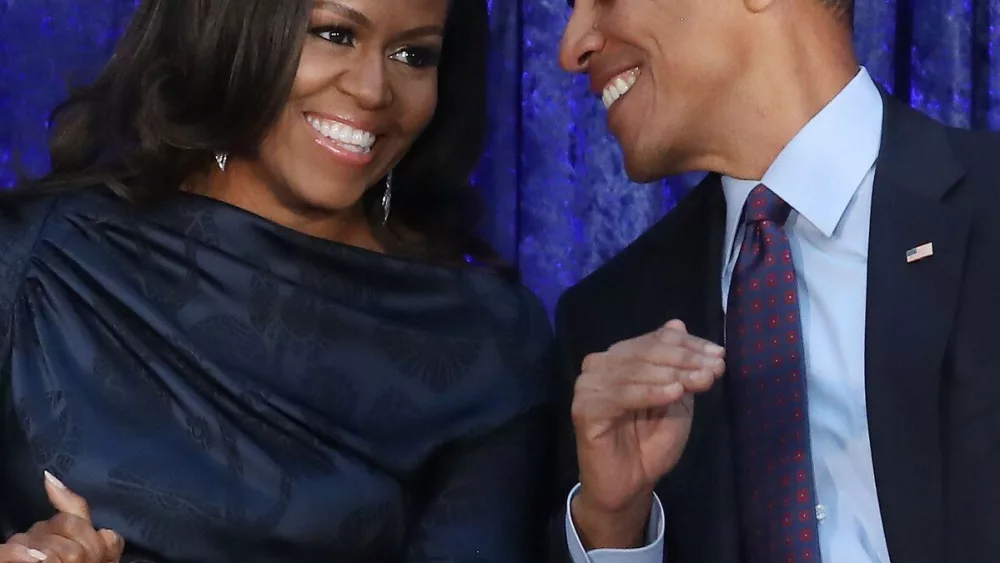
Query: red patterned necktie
x,y
767,392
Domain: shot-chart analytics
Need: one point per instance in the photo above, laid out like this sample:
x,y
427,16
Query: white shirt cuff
x,y
651,553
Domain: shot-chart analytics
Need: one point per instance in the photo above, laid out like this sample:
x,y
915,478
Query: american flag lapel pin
x,y
919,252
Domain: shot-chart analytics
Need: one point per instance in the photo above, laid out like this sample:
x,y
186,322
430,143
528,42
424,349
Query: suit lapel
x,y
910,307
674,269
699,494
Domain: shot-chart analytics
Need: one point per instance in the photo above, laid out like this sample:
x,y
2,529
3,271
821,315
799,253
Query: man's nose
x,y
580,41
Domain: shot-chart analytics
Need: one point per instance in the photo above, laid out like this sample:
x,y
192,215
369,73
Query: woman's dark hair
x,y
194,77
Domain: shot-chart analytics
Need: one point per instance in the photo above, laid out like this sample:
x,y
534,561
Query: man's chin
x,y
645,170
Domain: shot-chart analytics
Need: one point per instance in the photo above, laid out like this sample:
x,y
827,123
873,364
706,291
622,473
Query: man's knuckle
x,y
592,361
666,335
682,355
666,375
655,351
639,372
579,414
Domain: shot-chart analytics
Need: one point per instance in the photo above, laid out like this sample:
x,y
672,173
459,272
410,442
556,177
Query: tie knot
x,y
765,205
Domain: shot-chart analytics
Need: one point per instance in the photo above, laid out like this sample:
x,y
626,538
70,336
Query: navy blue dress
x,y
223,389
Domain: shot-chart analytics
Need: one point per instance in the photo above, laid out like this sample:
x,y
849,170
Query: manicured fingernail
x,y
37,555
56,482
674,388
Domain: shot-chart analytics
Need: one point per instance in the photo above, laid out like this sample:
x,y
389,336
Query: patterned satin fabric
x,y
221,388
767,390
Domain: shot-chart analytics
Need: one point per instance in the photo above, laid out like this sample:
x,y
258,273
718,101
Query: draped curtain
x,y
552,176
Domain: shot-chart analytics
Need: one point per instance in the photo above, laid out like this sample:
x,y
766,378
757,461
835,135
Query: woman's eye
x,y
336,35
418,57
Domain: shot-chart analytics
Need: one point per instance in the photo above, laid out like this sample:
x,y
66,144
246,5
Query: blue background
x,y
553,176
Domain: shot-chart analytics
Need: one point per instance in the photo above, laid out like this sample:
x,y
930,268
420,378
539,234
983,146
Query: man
x,y
843,250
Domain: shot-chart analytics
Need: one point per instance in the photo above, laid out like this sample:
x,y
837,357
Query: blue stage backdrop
x,y
560,204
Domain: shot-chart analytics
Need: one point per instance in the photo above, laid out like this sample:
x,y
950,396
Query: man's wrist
x,y
599,528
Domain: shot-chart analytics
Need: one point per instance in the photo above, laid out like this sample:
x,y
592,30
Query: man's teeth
x,y
619,86
352,139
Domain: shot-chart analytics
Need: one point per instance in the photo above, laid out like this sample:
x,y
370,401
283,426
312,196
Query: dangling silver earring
x,y
221,159
387,199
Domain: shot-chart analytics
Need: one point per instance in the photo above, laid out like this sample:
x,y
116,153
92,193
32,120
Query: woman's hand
x,y
69,537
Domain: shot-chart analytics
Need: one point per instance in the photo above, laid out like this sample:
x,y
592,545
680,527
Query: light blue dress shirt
x,y
826,174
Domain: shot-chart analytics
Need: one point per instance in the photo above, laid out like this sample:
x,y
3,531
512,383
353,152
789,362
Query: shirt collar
x,y
822,167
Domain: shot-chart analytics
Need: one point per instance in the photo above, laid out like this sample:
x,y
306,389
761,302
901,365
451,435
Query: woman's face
x,y
365,89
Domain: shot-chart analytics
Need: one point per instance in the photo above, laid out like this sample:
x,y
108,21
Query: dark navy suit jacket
x,y
931,351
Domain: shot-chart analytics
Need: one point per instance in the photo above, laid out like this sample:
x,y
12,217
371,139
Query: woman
x,y
246,318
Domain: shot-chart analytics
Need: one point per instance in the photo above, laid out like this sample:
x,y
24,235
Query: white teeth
x,y
352,139
619,86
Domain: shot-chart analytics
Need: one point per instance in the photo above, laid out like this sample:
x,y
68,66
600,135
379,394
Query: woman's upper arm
x,y
19,230
486,498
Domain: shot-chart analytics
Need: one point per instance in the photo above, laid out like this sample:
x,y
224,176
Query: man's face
x,y
668,71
